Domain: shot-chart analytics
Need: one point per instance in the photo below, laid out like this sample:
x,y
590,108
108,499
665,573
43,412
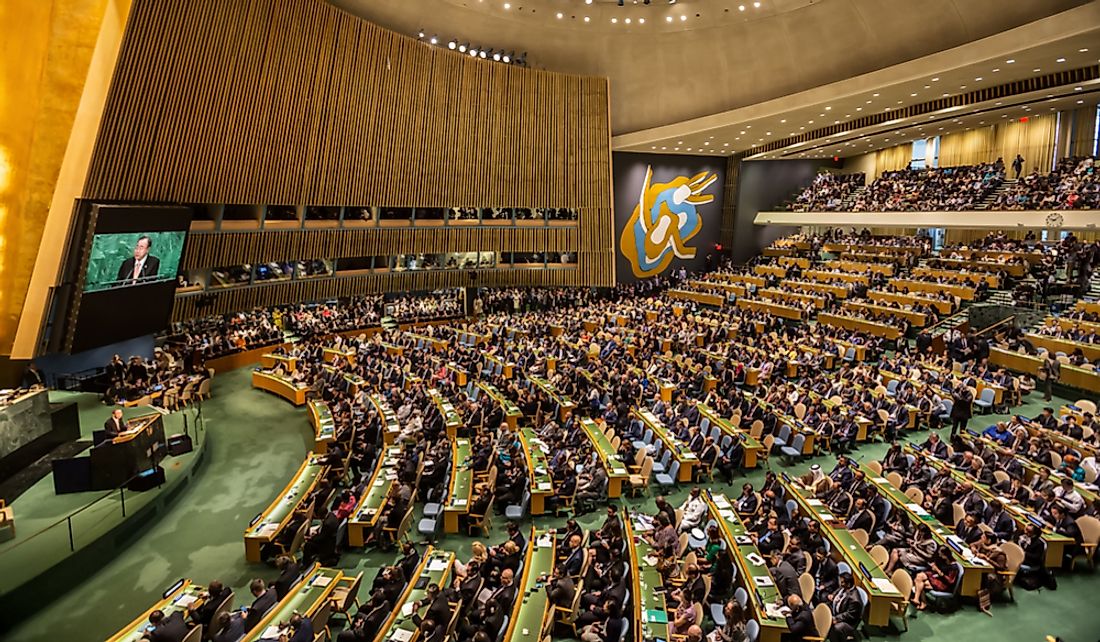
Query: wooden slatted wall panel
x,y
295,102
221,302
219,250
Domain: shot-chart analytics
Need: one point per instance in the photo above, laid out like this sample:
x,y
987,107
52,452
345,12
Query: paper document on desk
x,y
879,480
401,635
721,502
460,502
321,580
814,502
437,565
407,609
884,585
763,580
544,541
268,528
270,633
726,514
185,601
545,486
755,559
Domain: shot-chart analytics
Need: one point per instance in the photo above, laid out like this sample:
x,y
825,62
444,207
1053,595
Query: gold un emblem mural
x,y
664,220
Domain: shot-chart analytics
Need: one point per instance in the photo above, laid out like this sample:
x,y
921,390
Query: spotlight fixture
x,y
496,56
506,59
481,54
434,40
420,34
452,44
462,48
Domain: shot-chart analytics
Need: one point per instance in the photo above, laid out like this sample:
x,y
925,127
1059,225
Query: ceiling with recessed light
x,y
676,62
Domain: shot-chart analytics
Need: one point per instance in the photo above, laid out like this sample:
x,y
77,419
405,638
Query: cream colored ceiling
x,y
711,57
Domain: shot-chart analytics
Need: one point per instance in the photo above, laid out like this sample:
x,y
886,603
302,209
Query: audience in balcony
x,y
828,192
931,189
1072,185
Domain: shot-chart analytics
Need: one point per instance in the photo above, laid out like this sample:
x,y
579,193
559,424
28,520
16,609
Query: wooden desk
x,y
374,498
788,261
391,426
538,466
270,360
992,280
646,585
462,485
916,319
828,277
703,298
773,270
750,279
837,248
424,341
753,576
268,524
1056,543
565,404
282,386
615,468
529,621
866,572
838,291
973,567
886,269
330,355
816,300
964,292
859,325
1011,269
324,427
774,309
680,450
510,410
183,597
944,307
1072,376
434,568
452,421
305,598
751,445
1056,344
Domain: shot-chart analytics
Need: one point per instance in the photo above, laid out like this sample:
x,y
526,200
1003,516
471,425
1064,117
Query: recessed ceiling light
x,y
560,14
1010,61
614,21
978,79
1060,60
859,109
683,18
641,21
936,79
627,21
1036,70
668,18
756,4
996,69
783,120
741,7
586,19
1083,50
1080,102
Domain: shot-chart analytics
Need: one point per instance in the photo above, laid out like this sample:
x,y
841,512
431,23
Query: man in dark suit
x,y
265,599
506,594
438,601
170,628
861,517
368,621
561,589
216,592
115,424
230,627
961,408
302,628
321,544
847,610
143,266
786,578
800,622
288,575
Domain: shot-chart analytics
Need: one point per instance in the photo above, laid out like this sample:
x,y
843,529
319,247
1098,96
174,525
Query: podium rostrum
x,y
113,462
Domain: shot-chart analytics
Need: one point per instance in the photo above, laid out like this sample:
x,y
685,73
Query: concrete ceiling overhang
x,y
696,59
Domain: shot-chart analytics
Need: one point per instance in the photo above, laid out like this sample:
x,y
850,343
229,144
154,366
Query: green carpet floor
x,y
257,442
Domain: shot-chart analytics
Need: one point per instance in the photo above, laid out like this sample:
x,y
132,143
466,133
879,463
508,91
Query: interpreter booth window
x,y
464,215
274,271
352,266
313,268
429,215
360,216
528,259
230,276
496,216
192,281
316,216
395,216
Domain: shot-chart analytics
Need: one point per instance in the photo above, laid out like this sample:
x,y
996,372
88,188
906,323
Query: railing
x,y
77,528
997,325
